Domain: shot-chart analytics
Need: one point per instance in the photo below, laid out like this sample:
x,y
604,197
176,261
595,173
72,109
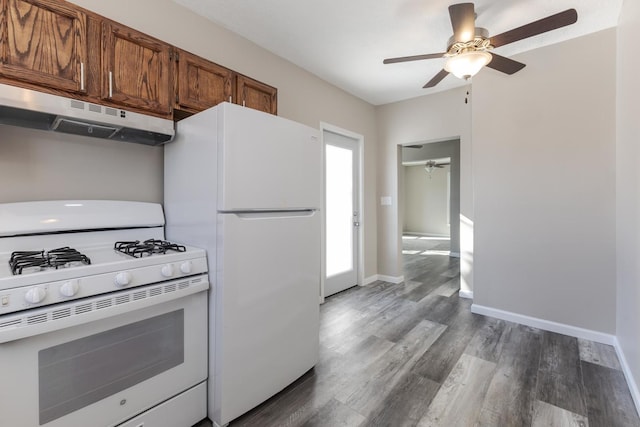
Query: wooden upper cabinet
x,y
136,69
55,46
201,84
253,94
43,42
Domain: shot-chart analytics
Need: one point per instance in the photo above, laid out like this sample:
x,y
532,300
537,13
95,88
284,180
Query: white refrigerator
x,y
247,187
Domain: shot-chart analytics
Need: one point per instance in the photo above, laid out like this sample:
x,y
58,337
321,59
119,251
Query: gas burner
x,y
41,260
149,247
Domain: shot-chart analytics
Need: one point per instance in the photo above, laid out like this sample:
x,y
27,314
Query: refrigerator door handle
x,y
270,213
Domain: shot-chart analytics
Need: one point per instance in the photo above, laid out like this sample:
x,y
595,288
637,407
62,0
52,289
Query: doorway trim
x,y
360,241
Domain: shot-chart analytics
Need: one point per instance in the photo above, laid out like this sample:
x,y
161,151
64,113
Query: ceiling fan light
x,y
467,64
429,166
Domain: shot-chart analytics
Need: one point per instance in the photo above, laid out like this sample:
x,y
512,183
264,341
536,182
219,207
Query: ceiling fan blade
x,y
559,20
412,58
505,65
436,79
463,21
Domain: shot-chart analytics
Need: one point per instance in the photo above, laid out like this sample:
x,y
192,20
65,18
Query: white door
x,y
342,216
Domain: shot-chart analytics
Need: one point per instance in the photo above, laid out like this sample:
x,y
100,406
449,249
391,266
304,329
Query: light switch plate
x,y
385,200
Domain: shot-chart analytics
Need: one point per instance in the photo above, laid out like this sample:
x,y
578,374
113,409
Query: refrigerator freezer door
x,y
267,313
266,162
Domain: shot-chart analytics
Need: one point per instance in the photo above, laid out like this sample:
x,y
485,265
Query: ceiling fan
x,y
431,164
470,48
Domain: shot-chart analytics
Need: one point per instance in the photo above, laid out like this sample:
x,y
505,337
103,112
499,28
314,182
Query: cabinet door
x,y
259,96
43,42
136,69
201,83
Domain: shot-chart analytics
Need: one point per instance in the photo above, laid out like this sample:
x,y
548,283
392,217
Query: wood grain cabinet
x,y
136,69
44,42
254,94
55,46
201,84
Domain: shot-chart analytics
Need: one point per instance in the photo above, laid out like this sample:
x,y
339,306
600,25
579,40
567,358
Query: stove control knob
x,y
185,267
70,288
35,295
122,279
167,270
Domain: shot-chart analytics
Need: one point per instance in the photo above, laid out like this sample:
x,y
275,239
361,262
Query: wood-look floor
x,y
412,354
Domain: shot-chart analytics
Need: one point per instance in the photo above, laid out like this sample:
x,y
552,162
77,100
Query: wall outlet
x,y
385,200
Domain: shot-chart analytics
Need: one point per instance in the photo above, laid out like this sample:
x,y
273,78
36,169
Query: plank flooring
x,y
412,354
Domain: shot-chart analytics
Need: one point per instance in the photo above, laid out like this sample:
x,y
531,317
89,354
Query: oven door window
x,y
81,372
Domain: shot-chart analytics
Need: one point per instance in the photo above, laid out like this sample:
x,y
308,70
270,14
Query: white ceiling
x,y
345,41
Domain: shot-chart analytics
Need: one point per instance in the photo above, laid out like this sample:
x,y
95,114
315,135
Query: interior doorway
x,y
342,210
429,204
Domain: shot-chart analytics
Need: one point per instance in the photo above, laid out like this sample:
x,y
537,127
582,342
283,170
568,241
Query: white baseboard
x,y
391,279
546,325
631,381
417,233
369,280
465,294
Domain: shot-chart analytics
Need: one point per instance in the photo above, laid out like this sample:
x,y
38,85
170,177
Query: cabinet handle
x,y
82,76
110,84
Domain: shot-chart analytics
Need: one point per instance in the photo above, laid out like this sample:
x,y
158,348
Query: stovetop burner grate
x,y
41,260
149,247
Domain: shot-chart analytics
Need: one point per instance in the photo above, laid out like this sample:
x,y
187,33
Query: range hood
x,y
37,110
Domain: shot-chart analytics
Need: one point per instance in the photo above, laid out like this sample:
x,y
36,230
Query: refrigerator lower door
x,y
266,307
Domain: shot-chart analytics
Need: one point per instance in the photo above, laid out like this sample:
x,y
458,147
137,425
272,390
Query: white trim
x,y
391,279
466,294
369,280
546,325
360,256
323,233
417,233
626,370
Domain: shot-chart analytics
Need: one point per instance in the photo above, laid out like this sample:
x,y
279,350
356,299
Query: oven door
x,y
103,372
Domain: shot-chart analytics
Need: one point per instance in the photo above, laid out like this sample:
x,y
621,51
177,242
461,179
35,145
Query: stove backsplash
x,y
40,165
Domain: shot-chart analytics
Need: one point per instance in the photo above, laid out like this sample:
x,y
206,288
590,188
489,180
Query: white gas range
x,y
102,321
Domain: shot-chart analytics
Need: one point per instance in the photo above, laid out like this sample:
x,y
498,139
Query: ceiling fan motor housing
x,y
481,42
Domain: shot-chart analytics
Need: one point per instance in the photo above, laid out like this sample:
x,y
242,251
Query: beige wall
x,y
425,200
37,165
82,163
544,185
628,193
438,117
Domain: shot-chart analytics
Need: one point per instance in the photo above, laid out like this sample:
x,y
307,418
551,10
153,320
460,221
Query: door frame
x,y
360,203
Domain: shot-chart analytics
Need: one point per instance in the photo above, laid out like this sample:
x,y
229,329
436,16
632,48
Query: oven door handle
x,y
52,318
